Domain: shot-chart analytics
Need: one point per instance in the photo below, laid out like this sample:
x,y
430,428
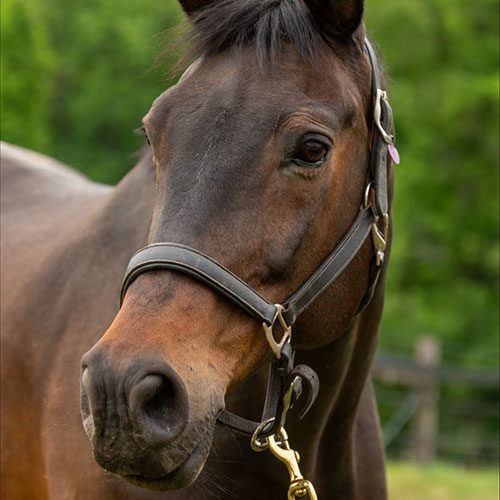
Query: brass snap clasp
x,y
278,445
280,448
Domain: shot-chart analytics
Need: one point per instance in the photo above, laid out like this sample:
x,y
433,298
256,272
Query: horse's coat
x,y
222,180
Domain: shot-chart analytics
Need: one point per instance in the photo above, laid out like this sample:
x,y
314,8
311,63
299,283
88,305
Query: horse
x,y
271,153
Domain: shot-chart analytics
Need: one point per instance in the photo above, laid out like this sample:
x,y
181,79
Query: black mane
x,y
264,25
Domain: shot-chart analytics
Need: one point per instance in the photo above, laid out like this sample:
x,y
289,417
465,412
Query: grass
x,y
441,482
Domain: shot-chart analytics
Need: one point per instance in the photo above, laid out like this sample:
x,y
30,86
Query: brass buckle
x,y
377,115
379,241
296,384
378,237
268,330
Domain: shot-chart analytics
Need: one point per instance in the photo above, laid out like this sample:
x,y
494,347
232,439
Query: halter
x,y
290,385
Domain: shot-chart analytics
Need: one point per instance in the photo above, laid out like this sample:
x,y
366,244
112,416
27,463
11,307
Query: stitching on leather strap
x,y
180,265
293,304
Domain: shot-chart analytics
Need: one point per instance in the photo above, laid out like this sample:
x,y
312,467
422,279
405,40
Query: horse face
x,y
264,170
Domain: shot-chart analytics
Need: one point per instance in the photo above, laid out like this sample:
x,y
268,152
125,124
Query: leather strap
x,y
376,83
331,268
197,265
378,154
379,161
282,377
273,405
237,423
201,267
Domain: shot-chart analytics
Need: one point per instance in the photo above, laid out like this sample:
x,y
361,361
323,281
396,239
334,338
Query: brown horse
x,y
259,158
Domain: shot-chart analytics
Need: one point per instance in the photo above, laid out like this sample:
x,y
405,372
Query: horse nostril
x,y
159,397
159,407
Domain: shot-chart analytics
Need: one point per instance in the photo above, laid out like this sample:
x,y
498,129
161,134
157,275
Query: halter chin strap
x,y
286,383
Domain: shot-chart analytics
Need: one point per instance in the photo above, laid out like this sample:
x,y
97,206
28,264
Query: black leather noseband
x,y
286,382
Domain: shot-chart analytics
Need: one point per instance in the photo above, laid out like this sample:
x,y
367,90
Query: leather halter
x,y
286,383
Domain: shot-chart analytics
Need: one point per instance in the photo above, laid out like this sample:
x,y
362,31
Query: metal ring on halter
x,y
255,442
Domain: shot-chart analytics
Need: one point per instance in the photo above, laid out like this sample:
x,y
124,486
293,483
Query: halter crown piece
x,y
288,385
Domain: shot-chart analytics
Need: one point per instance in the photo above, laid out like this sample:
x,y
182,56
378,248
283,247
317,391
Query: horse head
x,y
261,153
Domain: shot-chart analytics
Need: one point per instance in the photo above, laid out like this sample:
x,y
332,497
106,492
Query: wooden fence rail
x,y
424,376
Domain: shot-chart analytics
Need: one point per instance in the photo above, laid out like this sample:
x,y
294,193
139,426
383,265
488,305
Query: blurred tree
x,y
27,66
443,61
76,82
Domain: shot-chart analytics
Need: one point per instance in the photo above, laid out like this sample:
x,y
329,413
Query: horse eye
x,y
311,152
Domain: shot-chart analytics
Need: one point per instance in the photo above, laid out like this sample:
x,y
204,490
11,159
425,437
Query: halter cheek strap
x,y
287,383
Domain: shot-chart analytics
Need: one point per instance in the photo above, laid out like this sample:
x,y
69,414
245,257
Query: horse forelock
x,y
263,24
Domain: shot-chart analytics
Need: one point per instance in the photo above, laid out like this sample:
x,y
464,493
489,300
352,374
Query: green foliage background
x,y
442,56
78,77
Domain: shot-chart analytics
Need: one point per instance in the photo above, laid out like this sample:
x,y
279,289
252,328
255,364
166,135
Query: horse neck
x,y
344,419
123,216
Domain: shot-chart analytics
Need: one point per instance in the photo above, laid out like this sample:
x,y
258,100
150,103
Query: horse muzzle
x,y
138,421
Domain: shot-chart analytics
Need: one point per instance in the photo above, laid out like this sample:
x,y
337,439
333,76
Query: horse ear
x,y
338,18
191,7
